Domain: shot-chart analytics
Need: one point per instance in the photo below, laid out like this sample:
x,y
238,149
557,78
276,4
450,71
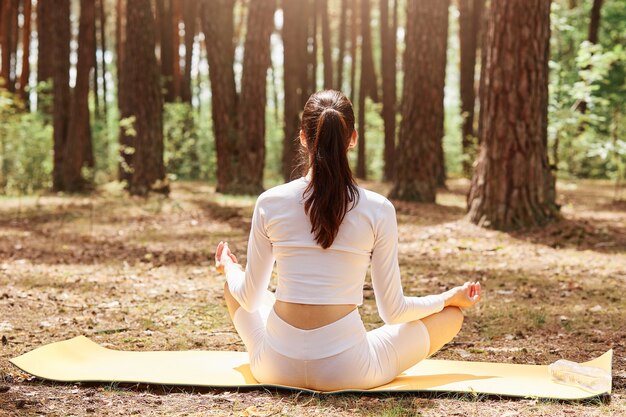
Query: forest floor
x,y
137,274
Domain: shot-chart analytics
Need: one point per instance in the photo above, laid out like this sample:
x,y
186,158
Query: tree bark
x,y
342,44
78,150
326,44
240,146
592,36
126,139
140,77
25,74
594,22
103,49
46,39
57,21
190,15
9,34
354,36
421,129
218,28
361,165
295,81
166,47
512,186
388,65
254,95
368,70
469,21
176,75
312,24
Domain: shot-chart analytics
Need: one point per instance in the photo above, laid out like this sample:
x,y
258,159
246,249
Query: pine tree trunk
x,y
326,44
57,21
78,142
9,34
592,36
368,71
388,65
512,186
312,24
176,75
354,36
343,23
254,95
295,80
45,53
103,49
469,18
594,22
190,15
218,28
361,164
166,47
126,139
25,74
421,129
141,79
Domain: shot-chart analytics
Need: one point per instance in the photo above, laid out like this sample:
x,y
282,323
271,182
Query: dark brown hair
x,y
328,124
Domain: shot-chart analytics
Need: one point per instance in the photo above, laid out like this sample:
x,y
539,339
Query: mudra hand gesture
x,y
223,257
463,296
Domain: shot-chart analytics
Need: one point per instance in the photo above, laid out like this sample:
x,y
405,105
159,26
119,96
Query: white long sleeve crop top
x,y
308,274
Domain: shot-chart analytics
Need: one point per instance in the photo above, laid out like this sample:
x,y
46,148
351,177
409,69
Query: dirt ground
x,y
137,274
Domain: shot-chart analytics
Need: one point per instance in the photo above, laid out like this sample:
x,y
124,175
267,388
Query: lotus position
x,y
324,231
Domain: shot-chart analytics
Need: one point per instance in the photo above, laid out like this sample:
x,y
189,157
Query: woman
x,y
323,231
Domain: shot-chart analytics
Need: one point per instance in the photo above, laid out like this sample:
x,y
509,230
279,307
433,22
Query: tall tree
x,y
8,35
343,23
418,161
143,103
126,139
368,70
594,21
312,25
470,15
46,39
388,29
326,45
238,173
354,39
103,48
78,151
176,74
25,74
190,16
253,94
592,37
295,80
57,19
166,47
218,28
512,186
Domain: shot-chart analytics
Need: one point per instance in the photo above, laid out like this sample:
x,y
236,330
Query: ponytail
x,y
328,124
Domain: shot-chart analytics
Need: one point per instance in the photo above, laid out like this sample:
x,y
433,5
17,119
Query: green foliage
x,y
25,148
587,92
188,141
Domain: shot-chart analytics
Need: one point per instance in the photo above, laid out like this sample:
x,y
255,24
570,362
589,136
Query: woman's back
x,y
307,273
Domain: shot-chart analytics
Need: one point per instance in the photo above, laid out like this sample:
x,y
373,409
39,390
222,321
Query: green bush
x,y
25,148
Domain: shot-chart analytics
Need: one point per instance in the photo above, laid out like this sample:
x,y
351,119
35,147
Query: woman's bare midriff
x,y
311,316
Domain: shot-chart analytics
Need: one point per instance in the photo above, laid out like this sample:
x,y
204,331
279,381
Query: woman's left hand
x,y
223,256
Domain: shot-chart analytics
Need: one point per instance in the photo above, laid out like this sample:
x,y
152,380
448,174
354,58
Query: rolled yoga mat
x,y
80,359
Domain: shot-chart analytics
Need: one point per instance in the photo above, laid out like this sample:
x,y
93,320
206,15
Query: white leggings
x,y
340,355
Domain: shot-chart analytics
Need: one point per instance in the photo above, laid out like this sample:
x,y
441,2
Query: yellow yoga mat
x,y
80,359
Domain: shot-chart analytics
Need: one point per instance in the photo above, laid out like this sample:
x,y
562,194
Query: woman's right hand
x,y
223,256
463,296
